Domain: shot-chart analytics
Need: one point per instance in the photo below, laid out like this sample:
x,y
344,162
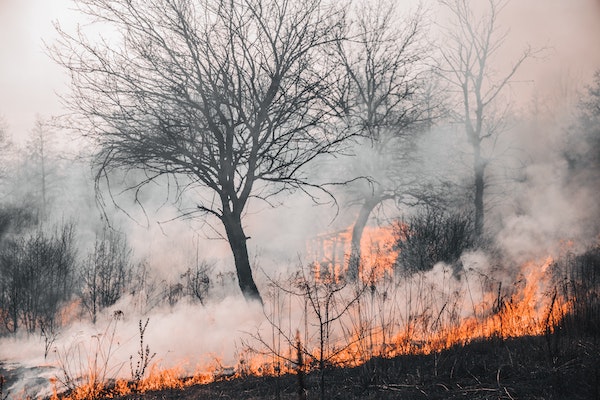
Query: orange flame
x,y
530,306
331,253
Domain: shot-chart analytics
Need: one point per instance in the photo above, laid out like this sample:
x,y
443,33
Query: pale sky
x,y
29,79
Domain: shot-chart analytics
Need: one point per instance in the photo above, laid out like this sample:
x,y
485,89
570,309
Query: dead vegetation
x,y
520,368
560,362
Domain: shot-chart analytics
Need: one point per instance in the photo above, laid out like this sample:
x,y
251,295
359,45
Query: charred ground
x,y
562,362
553,366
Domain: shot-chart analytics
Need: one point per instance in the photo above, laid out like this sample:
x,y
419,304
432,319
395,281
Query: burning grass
x,y
428,335
158,379
517,368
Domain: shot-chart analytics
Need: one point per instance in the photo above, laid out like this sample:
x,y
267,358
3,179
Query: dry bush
x,y
324,301
36,278
197,281
431,236
579,283
143,358
106,273
86,365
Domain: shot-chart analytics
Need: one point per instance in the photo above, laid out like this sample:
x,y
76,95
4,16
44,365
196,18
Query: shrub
x,y
106,273
197,281
579,281
431,236
36,278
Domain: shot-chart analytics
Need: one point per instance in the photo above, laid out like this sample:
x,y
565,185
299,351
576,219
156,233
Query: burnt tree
x,y
470,51
105,273
227,97
386,102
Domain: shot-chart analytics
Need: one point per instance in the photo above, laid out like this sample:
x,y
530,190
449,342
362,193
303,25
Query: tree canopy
x,y
230,96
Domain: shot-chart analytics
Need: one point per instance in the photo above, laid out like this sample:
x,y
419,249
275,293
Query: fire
x,y
390,314
377,253
531,307
158,379
530,310
331,253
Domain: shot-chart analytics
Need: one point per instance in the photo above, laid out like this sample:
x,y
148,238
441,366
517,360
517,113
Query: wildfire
x,y
158,379
395,315
533,308
331,253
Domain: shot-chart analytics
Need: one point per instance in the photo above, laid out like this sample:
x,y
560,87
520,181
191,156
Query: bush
x,y
106,273
432,236
36,278
197,281
579,281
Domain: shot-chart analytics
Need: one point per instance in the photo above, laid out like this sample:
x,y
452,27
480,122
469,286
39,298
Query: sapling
x,y
144,358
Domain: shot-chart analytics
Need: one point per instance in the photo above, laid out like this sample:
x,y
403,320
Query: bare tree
x,y
36,278
41,165
106,272
470,48
583,143
386,101
227,96
582,151
5,147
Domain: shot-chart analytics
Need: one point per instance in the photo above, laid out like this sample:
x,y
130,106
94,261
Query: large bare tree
x,y
228,96
470,58
386,103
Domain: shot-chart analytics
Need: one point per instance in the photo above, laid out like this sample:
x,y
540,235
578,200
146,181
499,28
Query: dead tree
x,y
227,97
5,147
327,300
41,165
385,102
105,273
469,51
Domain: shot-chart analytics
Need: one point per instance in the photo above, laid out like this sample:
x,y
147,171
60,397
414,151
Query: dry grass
x,y
490,369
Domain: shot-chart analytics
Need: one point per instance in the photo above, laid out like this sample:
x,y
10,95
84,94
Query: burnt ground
x,y
546,367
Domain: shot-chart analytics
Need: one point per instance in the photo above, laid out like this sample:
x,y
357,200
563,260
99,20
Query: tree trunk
x,y
357,232
322,329
479,170
237,241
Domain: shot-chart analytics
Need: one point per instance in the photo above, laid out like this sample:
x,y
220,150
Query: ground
x,y
546,367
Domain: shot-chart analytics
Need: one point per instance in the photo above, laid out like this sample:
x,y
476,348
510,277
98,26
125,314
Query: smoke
x,y
568,31
186,336
535,210
535,203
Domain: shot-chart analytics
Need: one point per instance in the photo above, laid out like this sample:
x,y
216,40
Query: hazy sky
x,y
29,79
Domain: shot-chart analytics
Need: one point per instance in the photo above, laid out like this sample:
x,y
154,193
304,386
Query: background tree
x,y
41,165
106,273
469,56
223,96
31,174
583,144
36,278
385,101
5,148
582,153
3,134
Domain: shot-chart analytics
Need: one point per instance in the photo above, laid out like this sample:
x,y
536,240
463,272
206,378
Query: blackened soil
x,y
523,368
